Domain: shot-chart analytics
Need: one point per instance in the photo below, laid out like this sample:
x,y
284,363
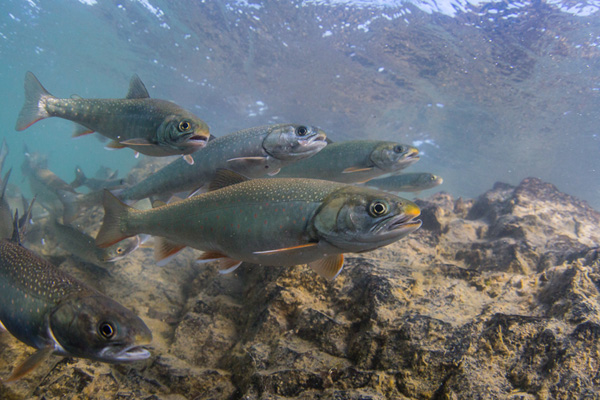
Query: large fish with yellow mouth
x,y
354,161
49,310
149,126
279,222
252,152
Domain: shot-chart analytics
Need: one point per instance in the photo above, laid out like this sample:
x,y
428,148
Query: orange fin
x,y
355,169
328,267
189,159
284,249
226,264
34,108
136,142
30,364
209,256
164,250
113,145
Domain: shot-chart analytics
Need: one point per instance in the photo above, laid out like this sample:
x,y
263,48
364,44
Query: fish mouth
x,y
399,225
128,354
317,141
197,140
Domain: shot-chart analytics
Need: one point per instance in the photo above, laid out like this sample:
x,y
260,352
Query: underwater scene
x,y
318,199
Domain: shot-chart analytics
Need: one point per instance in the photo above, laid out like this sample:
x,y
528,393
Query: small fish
x,y
253,152
354,161
84,246
412,182
280,222
149,126
49,310
94,183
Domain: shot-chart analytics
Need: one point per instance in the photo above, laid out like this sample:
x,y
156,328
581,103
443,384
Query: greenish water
x,y
488,91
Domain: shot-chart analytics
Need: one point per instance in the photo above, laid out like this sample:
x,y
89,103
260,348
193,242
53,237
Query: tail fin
x,y
35,101
114,224
80,178
71,205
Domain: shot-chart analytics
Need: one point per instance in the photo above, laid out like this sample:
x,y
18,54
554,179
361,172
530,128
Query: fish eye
x,y
119,250
301,130
106,330
399,149
378,208
184,126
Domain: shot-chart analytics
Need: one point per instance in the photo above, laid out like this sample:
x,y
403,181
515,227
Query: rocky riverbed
x,y
494,297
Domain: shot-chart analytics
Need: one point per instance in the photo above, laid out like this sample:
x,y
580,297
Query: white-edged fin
x,y
227,265
2,328
137,142
136,154
30,364
137,89
350,170
285,249
165,250
243,163
274,172
188,159
328,267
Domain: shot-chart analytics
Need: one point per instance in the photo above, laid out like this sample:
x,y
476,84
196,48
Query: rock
x,y
495,297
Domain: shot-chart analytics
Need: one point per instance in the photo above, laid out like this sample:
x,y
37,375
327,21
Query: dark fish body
x,y
95,184
412,182
252,152
149,126
354,161
55,313
270,221
6,226
84,247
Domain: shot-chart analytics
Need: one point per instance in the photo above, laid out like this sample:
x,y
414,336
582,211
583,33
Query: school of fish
x,y
273,195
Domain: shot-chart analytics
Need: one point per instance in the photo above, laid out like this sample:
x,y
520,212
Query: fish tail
x,y
71,205
80,178
114,225
34,108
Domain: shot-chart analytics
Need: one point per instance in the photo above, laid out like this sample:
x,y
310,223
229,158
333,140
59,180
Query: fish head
x,y
292,142
119,250
356,219
429,181
183,132
98,328
392,156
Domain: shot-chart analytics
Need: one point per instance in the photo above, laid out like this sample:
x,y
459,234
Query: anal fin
x,y
164,250
226,264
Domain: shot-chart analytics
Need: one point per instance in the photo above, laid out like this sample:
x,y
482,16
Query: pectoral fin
x,y
328,267
350,170
285,249
114,145
137,142
274,172
189,159
244,163
30,364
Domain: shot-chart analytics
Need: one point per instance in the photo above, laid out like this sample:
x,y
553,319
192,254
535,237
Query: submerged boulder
x,y
495,297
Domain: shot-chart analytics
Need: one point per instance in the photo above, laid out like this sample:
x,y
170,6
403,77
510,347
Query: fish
x,y
83,246
149,126
252,152
3,153
5,213
277,222
94,183
354,161
55,313
409,182
45,184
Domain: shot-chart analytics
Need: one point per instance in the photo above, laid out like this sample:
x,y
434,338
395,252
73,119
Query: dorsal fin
x,y
15,235
137,89
224,178
4,184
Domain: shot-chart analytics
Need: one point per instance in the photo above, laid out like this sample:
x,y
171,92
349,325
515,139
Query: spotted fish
x,y
150,126
354,161
253,152
49,310
280,222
